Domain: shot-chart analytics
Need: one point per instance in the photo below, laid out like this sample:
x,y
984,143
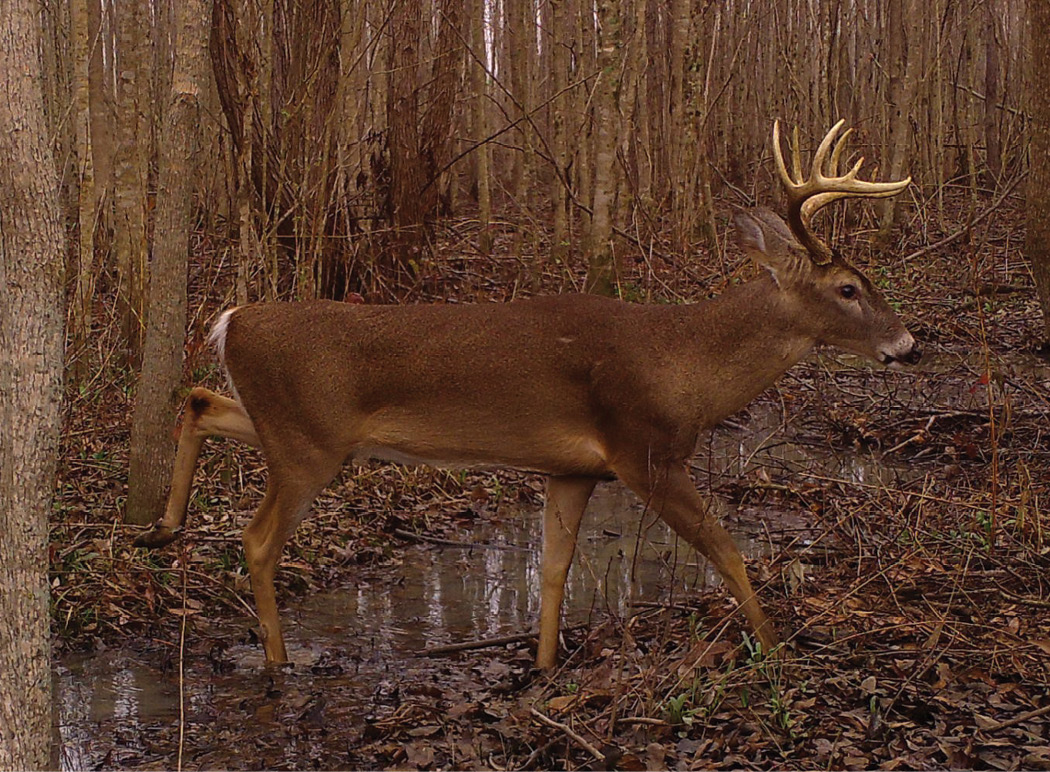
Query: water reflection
x,y
107,688
489,586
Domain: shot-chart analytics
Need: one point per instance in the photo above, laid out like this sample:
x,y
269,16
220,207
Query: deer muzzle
x,y
904,351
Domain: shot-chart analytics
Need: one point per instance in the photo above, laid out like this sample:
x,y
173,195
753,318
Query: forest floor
x,y
915,601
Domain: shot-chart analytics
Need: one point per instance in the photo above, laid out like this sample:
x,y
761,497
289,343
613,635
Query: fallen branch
x,y
1018,719
569,732
483,643
462,544
969,225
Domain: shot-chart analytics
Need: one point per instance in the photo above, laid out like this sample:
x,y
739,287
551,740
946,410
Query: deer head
x,y
841,305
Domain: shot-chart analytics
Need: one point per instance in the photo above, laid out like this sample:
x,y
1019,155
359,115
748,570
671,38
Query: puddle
x,y
372,633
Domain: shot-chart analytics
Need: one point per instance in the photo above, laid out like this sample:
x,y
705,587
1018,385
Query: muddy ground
x,y
896,523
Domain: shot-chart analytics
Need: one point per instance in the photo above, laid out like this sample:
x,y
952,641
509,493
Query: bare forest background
x,y
217,152
322,148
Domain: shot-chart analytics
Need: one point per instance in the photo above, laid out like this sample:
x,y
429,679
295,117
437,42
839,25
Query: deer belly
x,y
406,439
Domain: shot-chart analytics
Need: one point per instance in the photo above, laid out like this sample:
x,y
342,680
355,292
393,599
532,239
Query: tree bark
x,y
483,155
407,175
993,151
152,451
130,175
31,316
897,128
601,268
561,41
1037,243
80,313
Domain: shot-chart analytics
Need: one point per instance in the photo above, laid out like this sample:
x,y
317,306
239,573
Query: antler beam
x,y
807,197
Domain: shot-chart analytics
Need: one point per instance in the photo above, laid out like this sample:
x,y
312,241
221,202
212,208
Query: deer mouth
x,y
897,362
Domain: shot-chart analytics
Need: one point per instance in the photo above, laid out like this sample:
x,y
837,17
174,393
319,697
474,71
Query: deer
x,y
578,388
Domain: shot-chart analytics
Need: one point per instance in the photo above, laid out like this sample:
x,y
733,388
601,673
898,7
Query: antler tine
x,y
839,147
778,157
796,156
807,197
817,174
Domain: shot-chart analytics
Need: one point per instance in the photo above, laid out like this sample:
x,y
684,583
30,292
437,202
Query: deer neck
x,y
748,337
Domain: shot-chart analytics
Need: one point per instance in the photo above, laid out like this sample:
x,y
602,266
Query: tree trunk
x,y
83,296
407,175
993,152
479,80
437,121
103,111
601,268
130,175
897,128
1037,244
561,42
152,451
31,261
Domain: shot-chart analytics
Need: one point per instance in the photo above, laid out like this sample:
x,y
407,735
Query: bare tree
x,y
1037,244
601,269
152,453
479,121
81,308
276,67
131,172
31,260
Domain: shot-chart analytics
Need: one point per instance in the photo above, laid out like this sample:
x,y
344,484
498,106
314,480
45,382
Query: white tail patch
x,y
217,339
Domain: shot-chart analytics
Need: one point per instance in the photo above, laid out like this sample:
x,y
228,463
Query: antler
x,y
807,197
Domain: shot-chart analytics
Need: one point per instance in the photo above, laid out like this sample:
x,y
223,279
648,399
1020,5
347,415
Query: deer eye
x,y
848,291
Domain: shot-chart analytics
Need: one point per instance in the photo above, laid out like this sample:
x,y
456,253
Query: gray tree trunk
x,y
131,171
1037,244
32,246
152,451
601,268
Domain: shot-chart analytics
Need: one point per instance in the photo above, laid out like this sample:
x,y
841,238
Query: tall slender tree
x,y
32,246
1037,244
601,268
131,172
152,452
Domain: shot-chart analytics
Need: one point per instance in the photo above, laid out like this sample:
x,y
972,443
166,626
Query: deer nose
x,y
913,356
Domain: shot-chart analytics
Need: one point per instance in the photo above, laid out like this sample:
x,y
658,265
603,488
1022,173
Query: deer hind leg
x,y
287,500
566,500
670,492
206,414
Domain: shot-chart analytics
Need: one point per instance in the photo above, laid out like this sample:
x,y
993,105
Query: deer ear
x,y
768,241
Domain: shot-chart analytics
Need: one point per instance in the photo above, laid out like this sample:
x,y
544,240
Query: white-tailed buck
x,y
576,387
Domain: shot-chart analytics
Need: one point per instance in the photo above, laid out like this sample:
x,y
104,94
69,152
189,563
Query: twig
x,y
643,721
1037,602
1018,719
182,661
969,225
569,732
404,534
482,643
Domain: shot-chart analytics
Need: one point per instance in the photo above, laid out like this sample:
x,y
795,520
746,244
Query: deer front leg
x,y
206,414
670,492
566,500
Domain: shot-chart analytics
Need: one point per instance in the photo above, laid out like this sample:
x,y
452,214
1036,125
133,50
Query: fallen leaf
x,y
1043,644
984,722
562,703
